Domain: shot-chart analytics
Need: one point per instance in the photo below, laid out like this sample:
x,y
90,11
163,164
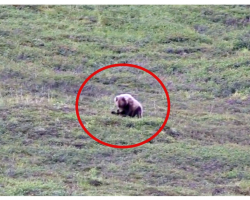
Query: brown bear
x,y
128,106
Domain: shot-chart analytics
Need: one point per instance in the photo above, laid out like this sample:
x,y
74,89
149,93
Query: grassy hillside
x,y
201,53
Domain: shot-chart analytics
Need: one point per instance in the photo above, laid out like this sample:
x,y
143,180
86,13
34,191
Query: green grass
x,y
201,54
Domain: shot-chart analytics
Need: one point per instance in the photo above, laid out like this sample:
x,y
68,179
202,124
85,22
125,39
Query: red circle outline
x,y
121,65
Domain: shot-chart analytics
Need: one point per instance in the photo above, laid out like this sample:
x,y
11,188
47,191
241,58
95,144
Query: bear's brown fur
x,y
128,106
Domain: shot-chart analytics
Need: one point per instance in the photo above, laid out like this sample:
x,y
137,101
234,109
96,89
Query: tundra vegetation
x,y
201,53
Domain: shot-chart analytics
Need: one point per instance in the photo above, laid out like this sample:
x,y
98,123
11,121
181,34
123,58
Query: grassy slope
x,y
201,53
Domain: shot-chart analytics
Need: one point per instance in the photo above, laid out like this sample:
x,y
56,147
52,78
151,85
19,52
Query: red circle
x,y
121,65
